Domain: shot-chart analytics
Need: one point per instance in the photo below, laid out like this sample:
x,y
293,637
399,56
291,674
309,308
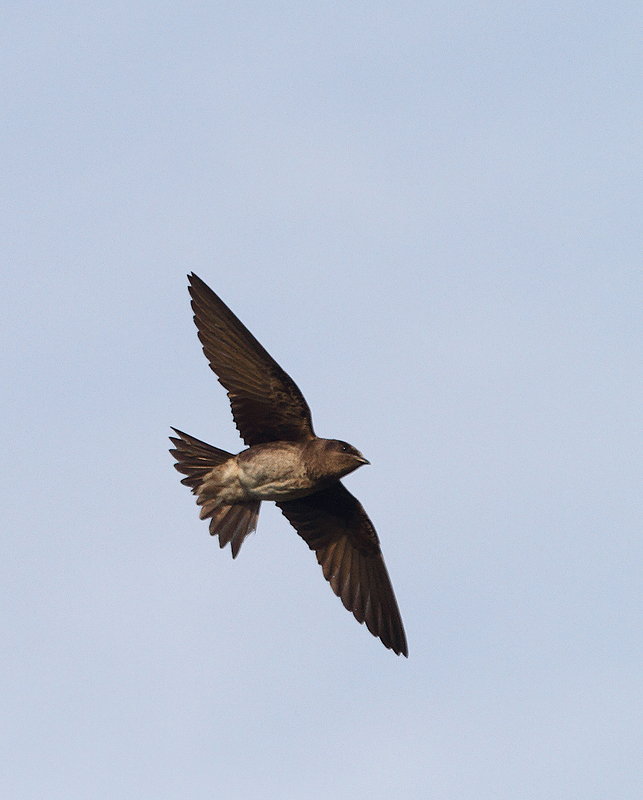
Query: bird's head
x,y
331,459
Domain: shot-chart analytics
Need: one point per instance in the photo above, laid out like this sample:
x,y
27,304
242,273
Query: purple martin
x,y
287,463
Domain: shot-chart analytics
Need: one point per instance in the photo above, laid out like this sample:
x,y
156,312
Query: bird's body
x,y
277,471
287,463
271,471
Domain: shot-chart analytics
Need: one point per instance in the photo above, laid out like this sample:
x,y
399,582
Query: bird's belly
x,y
264,472
273,474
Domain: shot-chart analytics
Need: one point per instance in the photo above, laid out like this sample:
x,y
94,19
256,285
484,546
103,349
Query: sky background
x,y
430,214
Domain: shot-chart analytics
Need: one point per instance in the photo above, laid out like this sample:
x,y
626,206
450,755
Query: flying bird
x,y
287,463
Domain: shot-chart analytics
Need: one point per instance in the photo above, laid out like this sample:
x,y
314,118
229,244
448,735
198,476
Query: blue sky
x,y
430,215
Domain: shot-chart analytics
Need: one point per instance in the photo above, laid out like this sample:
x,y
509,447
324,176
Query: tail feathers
x,y
195,458
232,523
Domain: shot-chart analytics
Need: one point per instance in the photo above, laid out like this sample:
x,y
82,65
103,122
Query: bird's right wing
x,y
266,403
334,524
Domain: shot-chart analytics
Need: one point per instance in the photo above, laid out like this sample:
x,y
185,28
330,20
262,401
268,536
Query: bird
x,y
284,462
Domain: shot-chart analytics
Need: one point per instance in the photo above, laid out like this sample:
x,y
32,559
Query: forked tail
x,y
196,459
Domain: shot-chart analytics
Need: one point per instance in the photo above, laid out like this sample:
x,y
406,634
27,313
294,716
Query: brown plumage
x,y
287,463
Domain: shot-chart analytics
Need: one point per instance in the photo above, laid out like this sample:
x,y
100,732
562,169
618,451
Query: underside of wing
x,y
334,524
266,403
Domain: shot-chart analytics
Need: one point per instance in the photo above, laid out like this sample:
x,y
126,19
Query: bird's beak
x,y
363,460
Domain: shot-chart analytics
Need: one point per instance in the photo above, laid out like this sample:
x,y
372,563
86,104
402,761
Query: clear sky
x,y
430,214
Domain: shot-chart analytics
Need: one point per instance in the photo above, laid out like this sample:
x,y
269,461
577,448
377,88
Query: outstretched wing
x,y
266,404
334,524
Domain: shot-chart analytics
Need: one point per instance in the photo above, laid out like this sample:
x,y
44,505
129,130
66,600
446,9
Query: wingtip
x,y
398,645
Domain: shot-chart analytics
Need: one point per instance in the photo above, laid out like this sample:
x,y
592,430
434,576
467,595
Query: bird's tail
x,y
196,459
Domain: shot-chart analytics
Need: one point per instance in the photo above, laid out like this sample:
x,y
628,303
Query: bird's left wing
x,y
334,524
266,403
